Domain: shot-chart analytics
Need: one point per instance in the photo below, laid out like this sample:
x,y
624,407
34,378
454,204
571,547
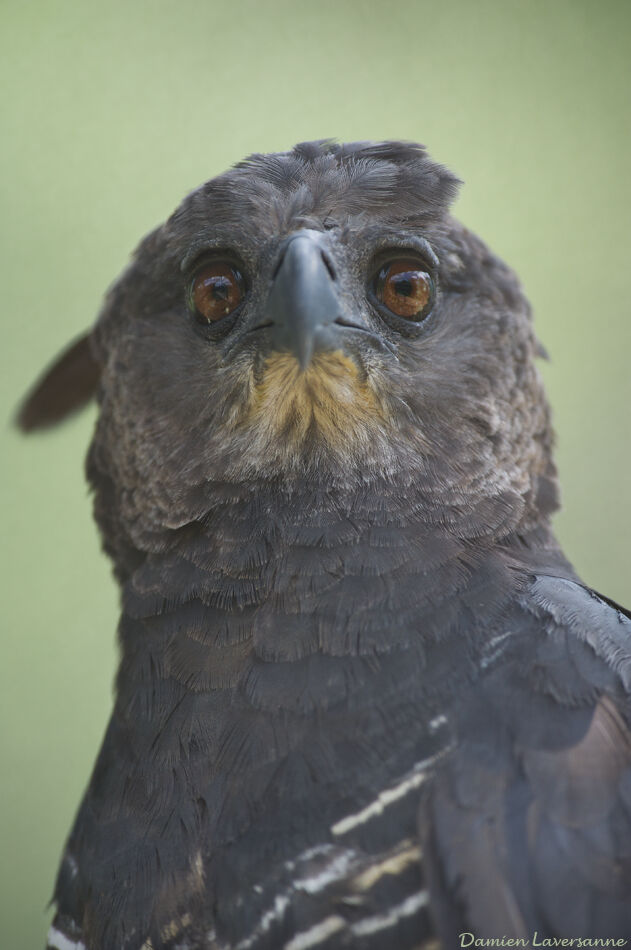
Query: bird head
x,y
314,315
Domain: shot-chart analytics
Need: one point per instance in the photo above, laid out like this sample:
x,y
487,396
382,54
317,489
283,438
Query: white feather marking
x,y
316,934
72,865
382,921
313,852
337,868
493,648
277,909
58,941
388,797
437,722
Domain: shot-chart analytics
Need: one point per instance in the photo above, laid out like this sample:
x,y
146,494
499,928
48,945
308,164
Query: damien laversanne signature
x,y
470,940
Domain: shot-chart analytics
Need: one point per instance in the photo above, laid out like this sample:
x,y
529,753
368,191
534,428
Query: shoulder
x,y
528,825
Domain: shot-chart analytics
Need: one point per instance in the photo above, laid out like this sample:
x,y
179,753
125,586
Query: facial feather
x,y
329,401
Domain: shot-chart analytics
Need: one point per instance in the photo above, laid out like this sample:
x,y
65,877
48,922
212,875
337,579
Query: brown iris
x,y
216,290
405,288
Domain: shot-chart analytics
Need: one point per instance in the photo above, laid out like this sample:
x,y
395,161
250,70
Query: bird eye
x,y
215,291
405,288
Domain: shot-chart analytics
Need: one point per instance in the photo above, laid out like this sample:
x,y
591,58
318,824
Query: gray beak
x,y
303,302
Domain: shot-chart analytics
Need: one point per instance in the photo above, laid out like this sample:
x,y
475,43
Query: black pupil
x,y
221,288
403,286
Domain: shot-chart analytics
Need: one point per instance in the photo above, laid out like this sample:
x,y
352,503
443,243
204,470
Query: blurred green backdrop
x,y
111,112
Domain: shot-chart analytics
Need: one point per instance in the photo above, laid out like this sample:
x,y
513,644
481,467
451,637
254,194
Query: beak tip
x,y
305,352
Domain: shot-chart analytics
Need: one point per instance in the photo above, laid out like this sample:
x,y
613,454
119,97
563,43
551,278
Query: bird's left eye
x,y
405,288
215,291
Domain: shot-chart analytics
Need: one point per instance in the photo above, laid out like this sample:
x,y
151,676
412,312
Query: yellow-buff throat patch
x,y
328,399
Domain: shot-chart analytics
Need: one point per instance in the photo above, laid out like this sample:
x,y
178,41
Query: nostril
x,y
329,266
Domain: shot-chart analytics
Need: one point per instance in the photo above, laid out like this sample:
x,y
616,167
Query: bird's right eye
x,y
216,290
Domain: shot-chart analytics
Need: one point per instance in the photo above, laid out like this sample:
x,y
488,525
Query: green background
x,y
112,111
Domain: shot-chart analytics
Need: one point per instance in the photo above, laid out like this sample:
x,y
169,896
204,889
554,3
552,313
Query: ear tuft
x,y
69,383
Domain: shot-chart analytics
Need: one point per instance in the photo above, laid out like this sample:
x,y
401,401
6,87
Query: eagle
x,y
363,700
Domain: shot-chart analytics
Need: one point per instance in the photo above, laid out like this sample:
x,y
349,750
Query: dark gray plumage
x,y
363,699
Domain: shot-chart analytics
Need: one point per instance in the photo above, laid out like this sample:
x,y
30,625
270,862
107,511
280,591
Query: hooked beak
x,y
303,303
